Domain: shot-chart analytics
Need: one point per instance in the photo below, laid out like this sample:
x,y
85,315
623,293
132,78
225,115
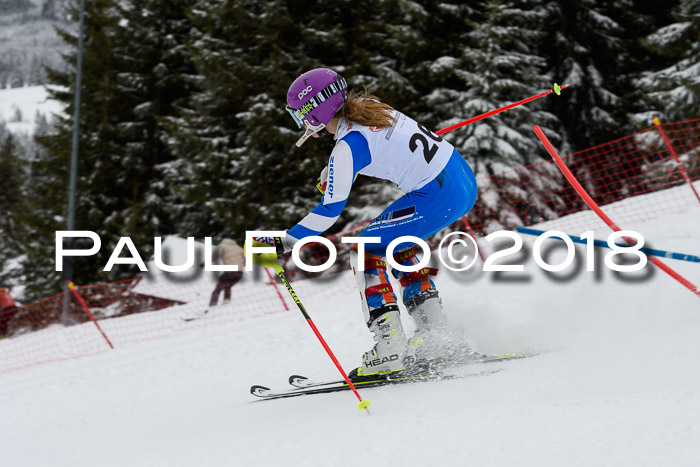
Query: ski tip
x,y
297,379
258,390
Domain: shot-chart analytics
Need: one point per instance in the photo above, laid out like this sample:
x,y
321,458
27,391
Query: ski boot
x,y
435,341
390,350
382,317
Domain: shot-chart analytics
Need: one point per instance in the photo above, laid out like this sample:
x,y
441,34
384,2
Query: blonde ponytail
x,y
364,108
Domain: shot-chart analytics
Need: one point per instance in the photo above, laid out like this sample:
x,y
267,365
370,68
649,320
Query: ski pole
x,y
674,154
557,89
646,251
594,206
364,404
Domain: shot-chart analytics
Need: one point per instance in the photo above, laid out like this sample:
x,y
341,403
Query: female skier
x,y
375,140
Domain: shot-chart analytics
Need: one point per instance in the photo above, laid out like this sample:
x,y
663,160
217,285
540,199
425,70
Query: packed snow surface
x,y
617,382
19,107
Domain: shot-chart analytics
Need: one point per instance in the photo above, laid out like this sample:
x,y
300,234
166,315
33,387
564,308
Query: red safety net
x,y
620,176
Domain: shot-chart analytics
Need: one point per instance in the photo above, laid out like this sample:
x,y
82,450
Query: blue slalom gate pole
x,y
647,251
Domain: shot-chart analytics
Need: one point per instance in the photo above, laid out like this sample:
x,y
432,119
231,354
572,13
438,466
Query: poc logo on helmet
x,y
305,91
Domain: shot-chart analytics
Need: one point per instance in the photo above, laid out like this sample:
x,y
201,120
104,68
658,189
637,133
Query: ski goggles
x,y
339,85
297,119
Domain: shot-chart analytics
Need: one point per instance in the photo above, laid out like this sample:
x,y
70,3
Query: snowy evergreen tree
x,y
498,65
101,184
593,46
153,80
183,127
134,64
394,56
11,177
238,166
675,90
15,6
29,41
12,204
49,9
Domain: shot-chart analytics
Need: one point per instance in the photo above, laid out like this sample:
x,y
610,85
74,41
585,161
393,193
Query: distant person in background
x,y
229,253
8,309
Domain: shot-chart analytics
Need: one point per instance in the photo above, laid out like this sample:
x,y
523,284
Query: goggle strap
x,y
335,87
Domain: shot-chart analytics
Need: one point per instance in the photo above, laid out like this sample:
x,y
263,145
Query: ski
x,y
303,382
194,315
322,388
419,373
416,372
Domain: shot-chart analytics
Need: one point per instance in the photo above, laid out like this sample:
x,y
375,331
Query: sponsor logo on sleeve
x,y
331,171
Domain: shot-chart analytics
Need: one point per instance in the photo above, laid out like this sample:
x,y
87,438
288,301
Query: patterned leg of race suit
x,y
419,213
381,315
435,339
423,304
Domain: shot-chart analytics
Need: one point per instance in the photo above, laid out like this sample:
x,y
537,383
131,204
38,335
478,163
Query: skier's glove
x,y
277,242
323,180
268,260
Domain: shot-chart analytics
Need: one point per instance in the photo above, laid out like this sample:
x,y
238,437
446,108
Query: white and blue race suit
x,y
438,183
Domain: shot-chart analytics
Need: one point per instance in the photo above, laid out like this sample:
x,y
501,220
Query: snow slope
x,y
20,106
617,383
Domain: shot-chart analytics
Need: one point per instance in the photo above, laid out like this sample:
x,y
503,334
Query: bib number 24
x,y
429,148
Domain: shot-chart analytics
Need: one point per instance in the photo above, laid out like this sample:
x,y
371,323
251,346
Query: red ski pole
x,y
673,152
594,206
557,89
364,404
84,306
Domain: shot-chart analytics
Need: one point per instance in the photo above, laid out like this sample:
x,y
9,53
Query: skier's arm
x,y
349,156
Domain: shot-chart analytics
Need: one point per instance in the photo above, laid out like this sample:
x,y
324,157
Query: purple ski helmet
x,y
314,98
